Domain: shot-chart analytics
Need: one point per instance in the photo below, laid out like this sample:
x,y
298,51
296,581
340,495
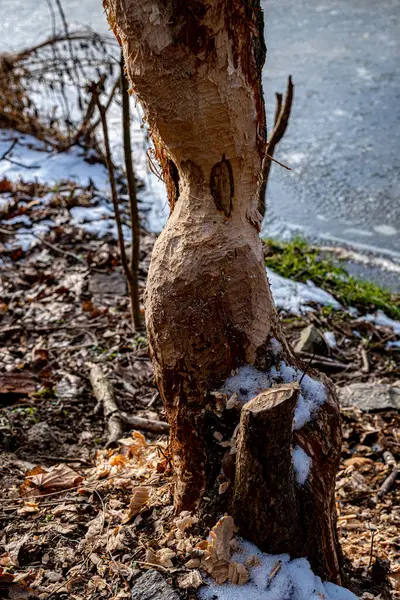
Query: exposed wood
x,y
265,478
104,393
195,66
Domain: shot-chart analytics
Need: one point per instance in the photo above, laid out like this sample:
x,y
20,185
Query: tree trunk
x,y
195,66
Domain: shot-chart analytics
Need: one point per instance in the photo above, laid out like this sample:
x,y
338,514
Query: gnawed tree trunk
x,y
195,66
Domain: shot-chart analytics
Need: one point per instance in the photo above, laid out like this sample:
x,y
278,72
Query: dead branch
x,y
282,114
128,273
388,483
146,424
133,206
104,392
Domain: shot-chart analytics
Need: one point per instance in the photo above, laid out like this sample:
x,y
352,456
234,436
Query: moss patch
x,y
299,261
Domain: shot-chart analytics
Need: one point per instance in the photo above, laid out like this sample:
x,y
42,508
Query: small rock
x,y
312,341
152,586
41,434
370,396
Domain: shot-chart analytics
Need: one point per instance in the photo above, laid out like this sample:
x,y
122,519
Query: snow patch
x,y
275,577
37,163
248,382
295,297
330,339
302,465
380,318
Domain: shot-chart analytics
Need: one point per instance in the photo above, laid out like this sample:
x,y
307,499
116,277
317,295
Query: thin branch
x,y
133,205
282,114
15,162
114,197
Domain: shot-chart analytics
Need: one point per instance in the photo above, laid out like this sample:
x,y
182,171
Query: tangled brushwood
x,y
47,90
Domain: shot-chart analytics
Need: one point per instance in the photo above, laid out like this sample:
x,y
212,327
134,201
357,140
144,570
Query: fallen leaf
x,y
13,549
28,507
59,477
6,185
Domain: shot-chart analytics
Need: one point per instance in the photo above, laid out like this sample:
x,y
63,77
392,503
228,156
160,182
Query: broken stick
x,y
104,392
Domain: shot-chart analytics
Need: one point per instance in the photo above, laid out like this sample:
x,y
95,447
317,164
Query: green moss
x,y
299,261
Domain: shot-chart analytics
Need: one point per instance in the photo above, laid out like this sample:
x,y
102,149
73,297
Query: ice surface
x,y
302,464
248,381
293,580
294,297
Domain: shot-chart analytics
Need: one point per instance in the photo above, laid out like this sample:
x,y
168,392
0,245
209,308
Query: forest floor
x,y
69,529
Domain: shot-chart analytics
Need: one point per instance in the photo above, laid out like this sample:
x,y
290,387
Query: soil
x,y
64,307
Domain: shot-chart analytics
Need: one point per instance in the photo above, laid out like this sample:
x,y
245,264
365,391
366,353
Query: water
x,y
341,142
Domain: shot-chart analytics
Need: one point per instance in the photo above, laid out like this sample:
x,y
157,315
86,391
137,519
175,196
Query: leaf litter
x,y
82,521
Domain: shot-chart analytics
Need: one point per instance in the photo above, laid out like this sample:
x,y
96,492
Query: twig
x,y
388,483
106,107
282,115
365,363
104,392
277,162
128,273
325,362
307,367
15,162
7,152
133,206
146,424
373,531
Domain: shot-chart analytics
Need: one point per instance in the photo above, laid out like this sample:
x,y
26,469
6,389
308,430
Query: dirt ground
x,y
69,528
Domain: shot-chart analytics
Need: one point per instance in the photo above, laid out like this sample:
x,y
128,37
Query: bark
x,y
264,477
196,68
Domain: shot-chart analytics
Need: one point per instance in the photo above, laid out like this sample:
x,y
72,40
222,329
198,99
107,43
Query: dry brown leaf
x,y
223,487
218,571
6,185
190,580
28,508
13,549
139,498
160,557
59,477
238,573
357,461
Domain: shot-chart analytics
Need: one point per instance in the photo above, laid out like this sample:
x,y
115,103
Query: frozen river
x,y
343,139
